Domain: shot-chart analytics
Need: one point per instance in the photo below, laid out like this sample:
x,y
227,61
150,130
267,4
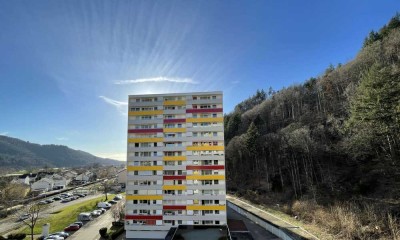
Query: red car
x,y
72,227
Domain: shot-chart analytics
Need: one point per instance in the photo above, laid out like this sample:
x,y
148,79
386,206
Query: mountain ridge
x,y
18,154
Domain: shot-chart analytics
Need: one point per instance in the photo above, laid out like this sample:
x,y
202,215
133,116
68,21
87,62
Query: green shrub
x,y
115,234
103,232
16,236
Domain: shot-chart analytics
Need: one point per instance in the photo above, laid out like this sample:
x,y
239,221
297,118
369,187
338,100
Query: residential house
x,y
44,184
121,177
70,175
60,182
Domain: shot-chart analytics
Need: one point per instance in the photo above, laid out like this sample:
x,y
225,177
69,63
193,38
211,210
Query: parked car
x,y
42,202
49,201
85,217
57,198
65,200
117,197
102,210
72,227
24,216
95,213
54,237
79,223
103,205
112,202
62,234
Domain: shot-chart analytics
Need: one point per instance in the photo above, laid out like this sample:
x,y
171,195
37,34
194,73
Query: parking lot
x,y
13,222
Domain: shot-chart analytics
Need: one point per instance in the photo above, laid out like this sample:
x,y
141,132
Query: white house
x,y
43,184
84,177
121,176
70,175
22,179
60,182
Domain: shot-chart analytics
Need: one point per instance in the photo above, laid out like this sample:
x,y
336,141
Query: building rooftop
x,y
200,232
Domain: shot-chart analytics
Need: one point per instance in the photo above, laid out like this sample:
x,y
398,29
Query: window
x,y
214,97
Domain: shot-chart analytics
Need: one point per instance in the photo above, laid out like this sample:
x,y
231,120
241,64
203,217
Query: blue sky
x,y
67,67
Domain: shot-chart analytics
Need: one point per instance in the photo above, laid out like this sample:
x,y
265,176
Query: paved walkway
x,y
271,218
256,231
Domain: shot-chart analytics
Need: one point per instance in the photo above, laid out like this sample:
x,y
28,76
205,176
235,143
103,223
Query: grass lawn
x,y
62,218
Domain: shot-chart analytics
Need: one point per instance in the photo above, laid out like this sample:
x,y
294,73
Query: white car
x,y
54,237
102,210
96,213
61,234
24,216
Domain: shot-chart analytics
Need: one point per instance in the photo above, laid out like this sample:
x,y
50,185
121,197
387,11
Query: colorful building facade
x,y
175,163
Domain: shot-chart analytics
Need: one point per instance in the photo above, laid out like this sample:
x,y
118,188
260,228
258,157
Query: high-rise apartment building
x,y
175,163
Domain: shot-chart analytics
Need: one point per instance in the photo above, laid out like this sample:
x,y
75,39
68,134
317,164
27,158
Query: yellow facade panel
x,y
174,187
205,177
174,130
200,120
206,207
174,158
174,103
145,168
145,140
141,113
205,148
144,197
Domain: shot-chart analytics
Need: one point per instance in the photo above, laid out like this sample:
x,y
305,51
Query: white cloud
x,y
157,79
116,156
62,139
4,133
121,106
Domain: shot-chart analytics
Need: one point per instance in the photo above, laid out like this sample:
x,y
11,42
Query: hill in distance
x,y
19,154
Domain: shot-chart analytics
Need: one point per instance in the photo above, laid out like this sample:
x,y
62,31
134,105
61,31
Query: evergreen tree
x,y
375,107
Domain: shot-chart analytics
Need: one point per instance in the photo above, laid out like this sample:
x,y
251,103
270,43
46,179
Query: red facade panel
x,y
208,167
174,207
174,177
177,120
144,217
151,130
204,110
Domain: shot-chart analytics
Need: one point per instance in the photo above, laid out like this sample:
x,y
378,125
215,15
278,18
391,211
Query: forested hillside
x,y
334,137
18,154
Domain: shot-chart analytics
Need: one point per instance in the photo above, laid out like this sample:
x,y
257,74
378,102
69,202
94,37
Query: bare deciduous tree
x,y
34,211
